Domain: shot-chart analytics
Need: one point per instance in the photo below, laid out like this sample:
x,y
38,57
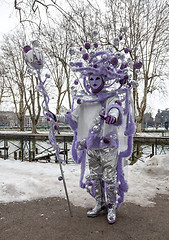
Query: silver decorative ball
x,y
47,75
82,141
94,59
74,69
118,54
97,120
79,147
96,128
35,43
104,56
114,137
137,71
71,51
116,41
92,53
95,33
83,51
29,71
116,191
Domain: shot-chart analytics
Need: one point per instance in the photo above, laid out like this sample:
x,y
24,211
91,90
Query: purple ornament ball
x,y
56,127
60,178
138,65
76,82
85,56
106,140
27,48
87,45
96,45
126,50
79,101
114,61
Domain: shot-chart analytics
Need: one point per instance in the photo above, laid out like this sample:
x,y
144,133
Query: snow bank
x,y
22,181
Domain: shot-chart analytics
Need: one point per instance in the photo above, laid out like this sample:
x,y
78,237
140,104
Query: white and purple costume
x,y
99,141
101,119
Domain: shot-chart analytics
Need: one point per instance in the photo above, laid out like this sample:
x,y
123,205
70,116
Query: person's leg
x,y
96,177
109,163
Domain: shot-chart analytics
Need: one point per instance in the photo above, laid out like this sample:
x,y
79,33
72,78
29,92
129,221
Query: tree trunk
x,y
139,127
21,121
34,130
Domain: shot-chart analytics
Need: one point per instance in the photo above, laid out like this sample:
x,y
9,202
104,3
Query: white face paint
x,y
96,83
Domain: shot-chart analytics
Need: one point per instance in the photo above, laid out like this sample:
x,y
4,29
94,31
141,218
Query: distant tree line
x,y
161,119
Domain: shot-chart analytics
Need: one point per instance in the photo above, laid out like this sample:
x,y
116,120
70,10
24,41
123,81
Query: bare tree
x,y
32,100
56,48
19,84
14,77
147,35
2,82
147,39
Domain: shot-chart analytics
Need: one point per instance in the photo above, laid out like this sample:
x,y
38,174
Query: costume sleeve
x,y
75,114
61,119
114,112
114,109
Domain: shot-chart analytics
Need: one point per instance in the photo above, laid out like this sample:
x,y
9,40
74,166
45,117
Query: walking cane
x,y
34,60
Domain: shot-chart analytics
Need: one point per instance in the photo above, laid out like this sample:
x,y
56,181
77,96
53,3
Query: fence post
x,y
156,147
15,155
5,149
22,148
152,150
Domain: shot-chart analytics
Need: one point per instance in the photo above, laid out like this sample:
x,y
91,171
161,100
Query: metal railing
x,y
29,146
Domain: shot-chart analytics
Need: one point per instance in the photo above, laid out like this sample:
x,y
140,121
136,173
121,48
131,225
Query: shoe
x,y
111,216
94,212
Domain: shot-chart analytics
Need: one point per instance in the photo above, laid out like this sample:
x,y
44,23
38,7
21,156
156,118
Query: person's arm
x,y
59,118
113,113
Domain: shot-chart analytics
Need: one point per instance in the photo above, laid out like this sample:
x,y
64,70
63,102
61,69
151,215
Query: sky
x,y
26,181
9,21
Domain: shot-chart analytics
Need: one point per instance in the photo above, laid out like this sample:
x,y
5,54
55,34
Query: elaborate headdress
x,y
110,64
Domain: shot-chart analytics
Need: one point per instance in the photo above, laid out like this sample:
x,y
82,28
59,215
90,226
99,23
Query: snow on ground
x,y
22,181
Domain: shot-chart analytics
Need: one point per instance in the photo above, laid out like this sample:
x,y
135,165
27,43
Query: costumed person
x,y
102,121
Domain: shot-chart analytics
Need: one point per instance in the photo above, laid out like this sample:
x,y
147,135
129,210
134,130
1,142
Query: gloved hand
x,y
108,118
50,115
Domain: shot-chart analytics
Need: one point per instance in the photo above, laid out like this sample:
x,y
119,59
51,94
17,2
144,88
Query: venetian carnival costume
x,y
101,118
